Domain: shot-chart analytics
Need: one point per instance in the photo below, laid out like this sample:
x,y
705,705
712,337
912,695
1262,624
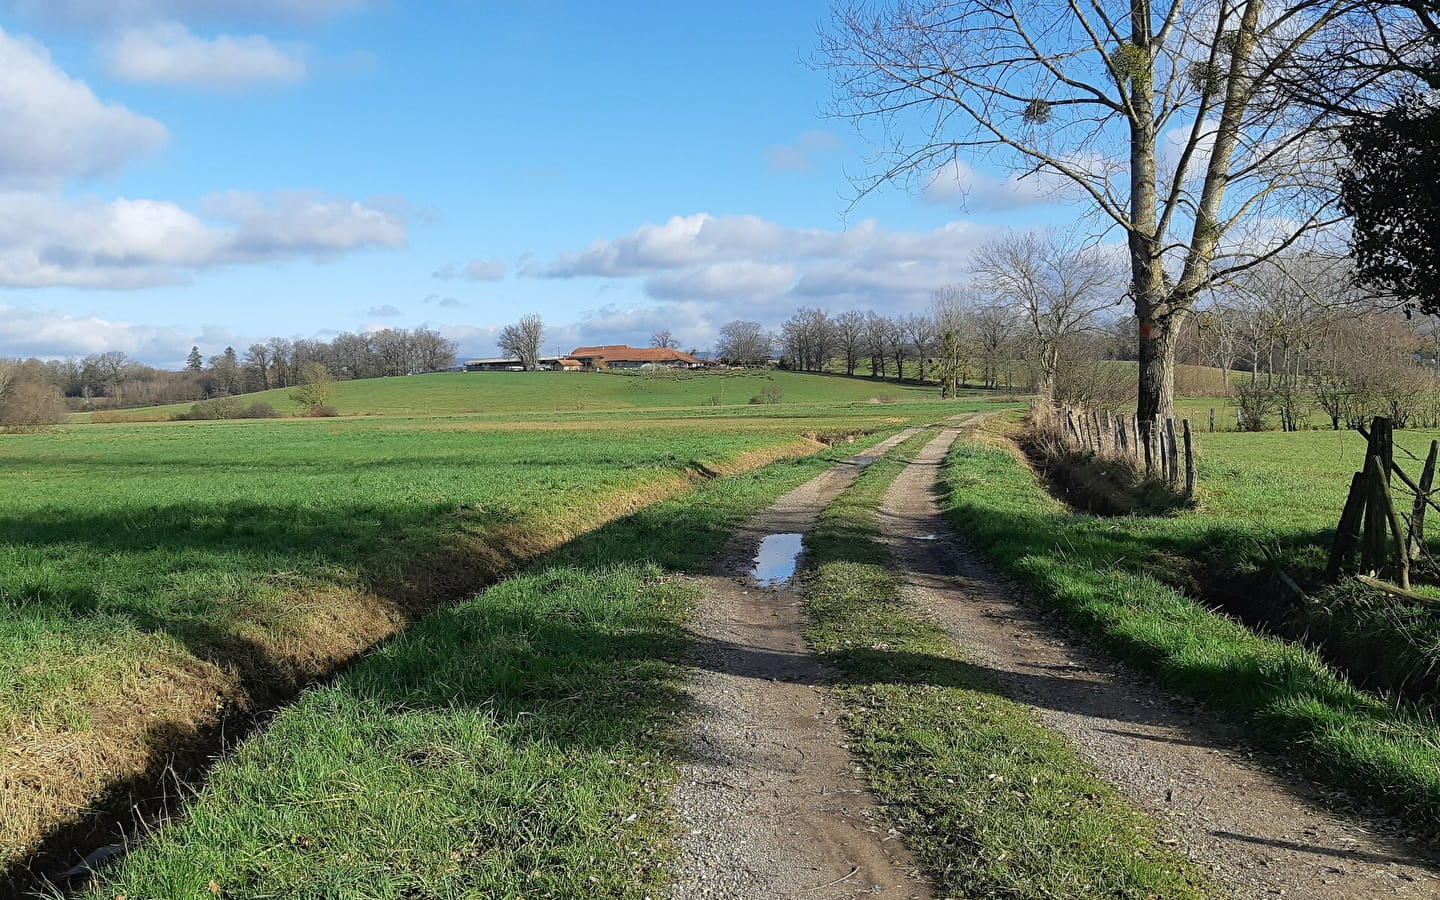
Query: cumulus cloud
x,y
443,302
28,331
722,281
46,240
388,311
169,53
747,260
959,184
113,13
475,270
53,126
801,156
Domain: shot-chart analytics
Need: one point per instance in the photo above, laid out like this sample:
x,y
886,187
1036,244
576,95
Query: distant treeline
x,y
114,380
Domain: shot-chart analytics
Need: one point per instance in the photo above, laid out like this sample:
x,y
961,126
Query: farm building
x,y
512,364
621,356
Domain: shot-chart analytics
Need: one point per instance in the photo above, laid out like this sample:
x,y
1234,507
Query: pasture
x,y
444,393
161,578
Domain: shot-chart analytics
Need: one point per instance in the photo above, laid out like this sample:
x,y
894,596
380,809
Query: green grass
x,y
518,744
155,575
993,803
482,392
1124,581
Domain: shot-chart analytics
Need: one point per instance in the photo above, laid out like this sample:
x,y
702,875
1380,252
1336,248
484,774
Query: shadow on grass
x,y
622,677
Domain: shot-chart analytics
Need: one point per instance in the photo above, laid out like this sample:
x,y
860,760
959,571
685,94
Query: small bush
x,y
260,411
212,410
322,412
769,394
1253,405
31,407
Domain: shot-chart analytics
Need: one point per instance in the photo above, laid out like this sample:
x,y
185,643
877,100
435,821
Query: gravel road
x,y
1260,834
771,800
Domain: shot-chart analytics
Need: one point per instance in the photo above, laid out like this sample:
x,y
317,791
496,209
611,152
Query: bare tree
x,y
431,350
951,311
257,368
664,340
1170,120
743,343
809,339
522,340
877,327
850,338
920,334
1056,286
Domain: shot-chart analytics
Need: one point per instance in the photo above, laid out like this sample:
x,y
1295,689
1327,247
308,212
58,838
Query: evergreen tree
x,y
193,362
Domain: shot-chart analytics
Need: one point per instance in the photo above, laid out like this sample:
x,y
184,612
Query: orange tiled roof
x,y
623,353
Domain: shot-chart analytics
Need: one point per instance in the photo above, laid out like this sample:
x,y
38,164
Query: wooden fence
x,y
1157,447
1374,537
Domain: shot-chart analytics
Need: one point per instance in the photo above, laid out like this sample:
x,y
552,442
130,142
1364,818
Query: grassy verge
x,y
517,744
1105,576
994,804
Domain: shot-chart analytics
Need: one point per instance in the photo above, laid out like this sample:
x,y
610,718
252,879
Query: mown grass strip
x,y
518,744
994,804
1283,694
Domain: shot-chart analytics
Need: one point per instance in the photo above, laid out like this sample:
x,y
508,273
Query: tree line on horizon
x,y
47,388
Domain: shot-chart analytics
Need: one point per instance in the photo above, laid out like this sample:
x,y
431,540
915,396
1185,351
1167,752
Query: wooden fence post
x,y
1149,438
1372,531
1212,420
1189,461
1174,455
1347,535
1387,504
1422,503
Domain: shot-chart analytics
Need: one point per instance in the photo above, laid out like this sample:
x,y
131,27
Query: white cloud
x,y
475,270
388,311
169,53
52,126
724,280
958,184
28,331
801,156
300,224
48,241
701,239
114,13
748,260
443,302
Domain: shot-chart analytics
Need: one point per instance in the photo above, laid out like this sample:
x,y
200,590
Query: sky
x,y
217,172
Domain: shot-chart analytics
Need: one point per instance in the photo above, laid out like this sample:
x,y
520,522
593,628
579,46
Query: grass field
x,y
1133,583
158,576
529,392
517,744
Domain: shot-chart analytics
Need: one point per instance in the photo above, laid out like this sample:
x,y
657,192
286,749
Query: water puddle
x,y
930,537
776,561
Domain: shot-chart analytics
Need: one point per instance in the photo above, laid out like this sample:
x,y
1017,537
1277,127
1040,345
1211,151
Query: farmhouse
x,y
621,356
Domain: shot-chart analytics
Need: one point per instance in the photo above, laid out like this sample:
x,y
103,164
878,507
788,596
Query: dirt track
x,y
1260,835
773,806
771,801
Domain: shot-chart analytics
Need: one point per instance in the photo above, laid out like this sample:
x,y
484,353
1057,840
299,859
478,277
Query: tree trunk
x,y
1158,338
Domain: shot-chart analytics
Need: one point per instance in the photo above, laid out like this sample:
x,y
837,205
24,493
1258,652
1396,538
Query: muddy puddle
x,y
775,563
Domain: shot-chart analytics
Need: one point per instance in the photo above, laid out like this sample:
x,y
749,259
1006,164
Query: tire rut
x,y
1223,804
770,800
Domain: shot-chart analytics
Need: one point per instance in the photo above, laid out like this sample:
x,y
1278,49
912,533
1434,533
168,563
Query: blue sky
x,y
213,172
